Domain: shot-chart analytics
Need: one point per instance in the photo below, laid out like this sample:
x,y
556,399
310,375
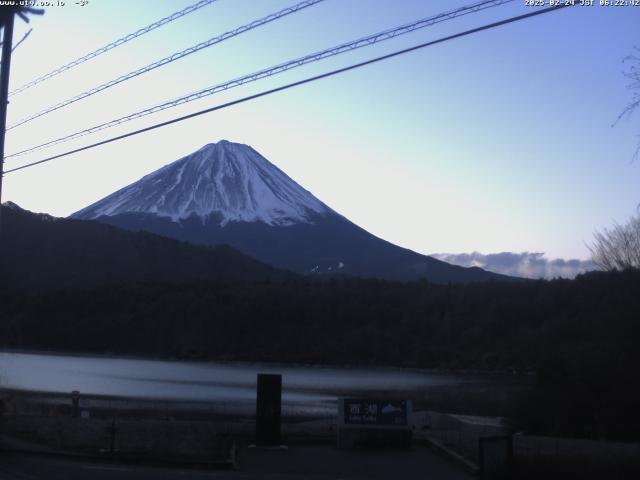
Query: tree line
x,y
579,336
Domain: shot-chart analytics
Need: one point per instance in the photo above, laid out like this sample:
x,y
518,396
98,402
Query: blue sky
x,y
500,141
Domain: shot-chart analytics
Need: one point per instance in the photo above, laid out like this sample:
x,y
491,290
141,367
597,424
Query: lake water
x,y
306,390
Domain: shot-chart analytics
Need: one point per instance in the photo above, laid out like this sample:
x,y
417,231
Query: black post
x,y
268,409
75,402
5,66
496,457
112,436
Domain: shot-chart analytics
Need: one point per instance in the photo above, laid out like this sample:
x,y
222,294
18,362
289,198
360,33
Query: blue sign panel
x,y
375,412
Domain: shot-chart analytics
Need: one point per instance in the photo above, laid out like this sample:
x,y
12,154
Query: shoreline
x,y
271,364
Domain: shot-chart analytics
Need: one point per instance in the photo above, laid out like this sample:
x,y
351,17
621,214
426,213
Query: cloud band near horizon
x,y
523,264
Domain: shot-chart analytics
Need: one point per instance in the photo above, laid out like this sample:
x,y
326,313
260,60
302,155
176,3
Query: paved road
x,y
296,463
34,467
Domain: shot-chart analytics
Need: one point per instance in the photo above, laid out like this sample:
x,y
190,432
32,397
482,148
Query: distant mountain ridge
x,y
42,252
227,193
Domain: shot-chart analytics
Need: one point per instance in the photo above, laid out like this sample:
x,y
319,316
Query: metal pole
x,y
5,65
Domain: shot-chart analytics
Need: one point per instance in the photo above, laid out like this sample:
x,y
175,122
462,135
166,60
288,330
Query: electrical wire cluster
x,y
264,73
171,58
116,43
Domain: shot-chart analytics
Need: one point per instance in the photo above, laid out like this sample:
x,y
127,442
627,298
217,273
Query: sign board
x,y
374,423
374,413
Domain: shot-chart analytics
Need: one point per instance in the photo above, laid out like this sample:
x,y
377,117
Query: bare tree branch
x,y
617,248
633,74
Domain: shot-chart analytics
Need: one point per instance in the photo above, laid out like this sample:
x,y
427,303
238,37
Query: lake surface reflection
x,y
306,390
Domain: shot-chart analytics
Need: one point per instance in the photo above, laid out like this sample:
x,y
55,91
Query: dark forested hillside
x,y
492,325
40,251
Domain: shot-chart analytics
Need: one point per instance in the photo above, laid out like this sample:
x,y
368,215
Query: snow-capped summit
x,y
226,181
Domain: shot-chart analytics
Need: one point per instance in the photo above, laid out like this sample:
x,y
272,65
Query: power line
x,y
171,58
24,37
114,44
252,77
295,84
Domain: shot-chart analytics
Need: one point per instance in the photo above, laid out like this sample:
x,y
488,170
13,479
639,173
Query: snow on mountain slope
x,y
229,180
227,193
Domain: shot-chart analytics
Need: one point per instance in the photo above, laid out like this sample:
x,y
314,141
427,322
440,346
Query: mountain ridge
x,y
42,252
254,206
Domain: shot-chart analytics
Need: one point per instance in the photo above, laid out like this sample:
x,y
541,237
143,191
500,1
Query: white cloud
x,y
524,264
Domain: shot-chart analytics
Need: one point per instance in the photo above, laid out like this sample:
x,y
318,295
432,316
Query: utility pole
x,y
5,66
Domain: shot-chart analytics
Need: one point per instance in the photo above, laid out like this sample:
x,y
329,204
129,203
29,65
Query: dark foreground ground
x,y
297,462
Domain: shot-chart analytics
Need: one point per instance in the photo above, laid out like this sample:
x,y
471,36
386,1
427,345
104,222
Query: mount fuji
x,y
227,193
